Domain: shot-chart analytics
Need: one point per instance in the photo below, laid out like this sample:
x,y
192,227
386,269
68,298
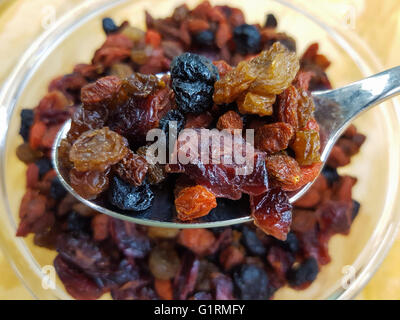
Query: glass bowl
x,y
73,39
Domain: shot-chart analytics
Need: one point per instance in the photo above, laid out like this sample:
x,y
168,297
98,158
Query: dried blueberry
x,y
330,174
109,26
271,21
44,166
291,243
251,283
175,118
304,273
57,190
356,209
193,78
252,243
191,67
26,123
127,197
204,38
247,39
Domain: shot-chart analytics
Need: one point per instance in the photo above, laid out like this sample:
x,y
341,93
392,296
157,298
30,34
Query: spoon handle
x,y
335,109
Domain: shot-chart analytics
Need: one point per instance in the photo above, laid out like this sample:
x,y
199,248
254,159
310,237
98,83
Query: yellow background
x,y
376,21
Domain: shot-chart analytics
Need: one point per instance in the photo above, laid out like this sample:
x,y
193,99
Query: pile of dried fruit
x,y
225,74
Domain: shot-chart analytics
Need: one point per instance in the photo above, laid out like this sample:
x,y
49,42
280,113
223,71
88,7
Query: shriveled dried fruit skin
x,y
194,202
155,172
305,108
193,78
128,197
88,184
306,147
137,115
272,213
164,262
283,170
251,103
277,69
273,137
138,85
132,169
102,91
234,83
85,119
224,179
287,107
97,150
230,120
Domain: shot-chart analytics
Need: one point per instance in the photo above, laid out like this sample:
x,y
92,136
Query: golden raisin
x,y
256,104
306,147
276,68
96,150
267,74
235,82
194,202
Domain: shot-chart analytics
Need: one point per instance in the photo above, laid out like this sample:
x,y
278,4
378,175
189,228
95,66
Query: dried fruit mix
x,y
226,75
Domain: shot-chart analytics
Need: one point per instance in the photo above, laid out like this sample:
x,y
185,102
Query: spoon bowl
x,y
334,111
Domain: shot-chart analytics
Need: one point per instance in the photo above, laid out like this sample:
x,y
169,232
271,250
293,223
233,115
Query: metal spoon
x,y
334,110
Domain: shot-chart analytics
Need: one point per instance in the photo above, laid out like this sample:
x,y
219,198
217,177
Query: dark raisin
x,y
271,21
330,174
173,118
57,190
252,243
26,123
77,224
303,274
192,67
291,243
193,96
193,78
204,38
356,209
127,197
109,26
44,166
251,283
247,39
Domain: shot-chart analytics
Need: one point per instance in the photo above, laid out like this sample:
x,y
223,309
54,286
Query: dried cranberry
x,y
130,239
272,212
